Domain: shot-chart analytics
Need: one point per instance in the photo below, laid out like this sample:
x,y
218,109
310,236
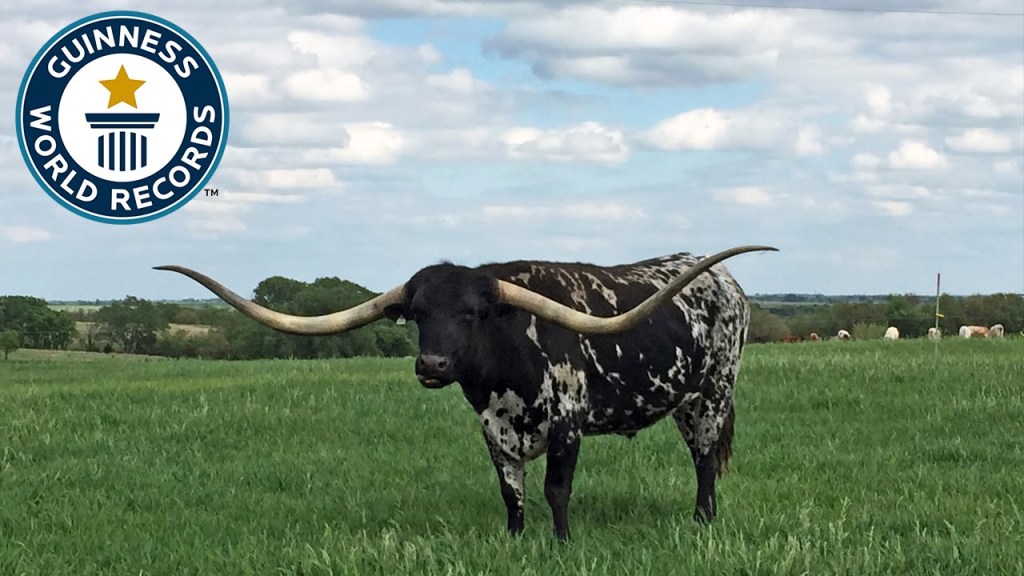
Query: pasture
x,y
850,458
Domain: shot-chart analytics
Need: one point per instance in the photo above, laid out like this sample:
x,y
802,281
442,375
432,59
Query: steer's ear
x,y
488,289
395,311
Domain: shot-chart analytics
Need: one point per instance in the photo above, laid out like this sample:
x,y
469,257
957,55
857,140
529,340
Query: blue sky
x,y
371,139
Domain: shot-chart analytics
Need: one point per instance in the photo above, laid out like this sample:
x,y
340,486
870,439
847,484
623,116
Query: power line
x,y
826,9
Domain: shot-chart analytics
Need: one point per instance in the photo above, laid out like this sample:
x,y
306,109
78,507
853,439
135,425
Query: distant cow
x,y
814,337
996,331
934,333
973,331
791,339
843,335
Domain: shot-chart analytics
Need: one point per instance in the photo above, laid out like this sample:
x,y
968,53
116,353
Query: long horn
x,y
586,324
305,325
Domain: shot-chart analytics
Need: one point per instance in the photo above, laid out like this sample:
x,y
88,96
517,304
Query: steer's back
x,y
628,381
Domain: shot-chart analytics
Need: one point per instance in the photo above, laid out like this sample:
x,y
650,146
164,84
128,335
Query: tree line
x,y
913,315
138,326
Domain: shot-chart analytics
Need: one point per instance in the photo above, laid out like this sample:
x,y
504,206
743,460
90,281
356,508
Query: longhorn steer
x,y
540,374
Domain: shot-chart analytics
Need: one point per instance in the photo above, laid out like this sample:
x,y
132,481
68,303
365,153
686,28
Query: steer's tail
x,y
723,449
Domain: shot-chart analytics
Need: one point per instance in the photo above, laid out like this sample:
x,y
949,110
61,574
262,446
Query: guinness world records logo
x,y
122,117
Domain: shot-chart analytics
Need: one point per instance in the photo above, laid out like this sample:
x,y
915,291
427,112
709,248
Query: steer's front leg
x,y
563,450
511,473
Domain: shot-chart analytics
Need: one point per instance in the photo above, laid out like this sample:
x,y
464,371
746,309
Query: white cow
x,y
934,333
891,333
843,335
996,331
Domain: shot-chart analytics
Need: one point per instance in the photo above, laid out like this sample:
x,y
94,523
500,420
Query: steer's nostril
x,y
431,364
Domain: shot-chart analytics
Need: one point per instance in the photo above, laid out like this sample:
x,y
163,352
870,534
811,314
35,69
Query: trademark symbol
x,y
212,191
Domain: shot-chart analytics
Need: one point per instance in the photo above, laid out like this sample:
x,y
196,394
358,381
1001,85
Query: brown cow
x,y
974,331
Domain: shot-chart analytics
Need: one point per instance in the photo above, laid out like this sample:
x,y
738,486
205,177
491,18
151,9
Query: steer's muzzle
x,y
434,371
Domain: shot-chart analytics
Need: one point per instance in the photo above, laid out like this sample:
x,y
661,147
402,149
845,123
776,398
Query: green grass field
x,y
852,458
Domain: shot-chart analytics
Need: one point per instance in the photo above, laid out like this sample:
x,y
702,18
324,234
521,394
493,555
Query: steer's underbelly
x,y
632,413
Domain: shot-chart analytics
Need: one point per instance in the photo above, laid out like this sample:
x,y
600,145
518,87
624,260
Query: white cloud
x,y
1006,167
980,140
428,54
864,161
808,142
300,129
344,47
262,197
327,84
862,124
894,208
710,129
606,211
879,100
280,179
246,88
213,228
586,142
745,195
24,234
370,143
460,81
898,191
647,44
916,155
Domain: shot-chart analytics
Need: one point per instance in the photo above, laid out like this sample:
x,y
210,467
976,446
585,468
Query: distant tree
x,y
133,323
186,315
89,336
849,313
277,291
394,343
9,342
952,314
765,326
39,325
908,315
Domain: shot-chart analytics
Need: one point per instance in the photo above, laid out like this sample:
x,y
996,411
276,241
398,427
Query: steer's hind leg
x,y
511,474
707,427
563,450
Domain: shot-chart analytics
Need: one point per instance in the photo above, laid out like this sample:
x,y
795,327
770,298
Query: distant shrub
x,y
765,326
868,331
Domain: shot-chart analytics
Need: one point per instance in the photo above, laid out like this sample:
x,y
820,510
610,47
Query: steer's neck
x,y
501,360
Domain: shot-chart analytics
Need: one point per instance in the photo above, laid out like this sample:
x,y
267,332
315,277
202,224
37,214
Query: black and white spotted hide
x,y
539,388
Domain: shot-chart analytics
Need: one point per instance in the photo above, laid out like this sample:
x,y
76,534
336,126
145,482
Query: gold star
x,y
122,89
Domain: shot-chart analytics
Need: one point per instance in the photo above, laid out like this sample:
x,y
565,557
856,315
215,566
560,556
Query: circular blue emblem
x,y
122,117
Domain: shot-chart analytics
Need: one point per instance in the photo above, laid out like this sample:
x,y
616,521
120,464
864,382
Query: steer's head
x,y
452,306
